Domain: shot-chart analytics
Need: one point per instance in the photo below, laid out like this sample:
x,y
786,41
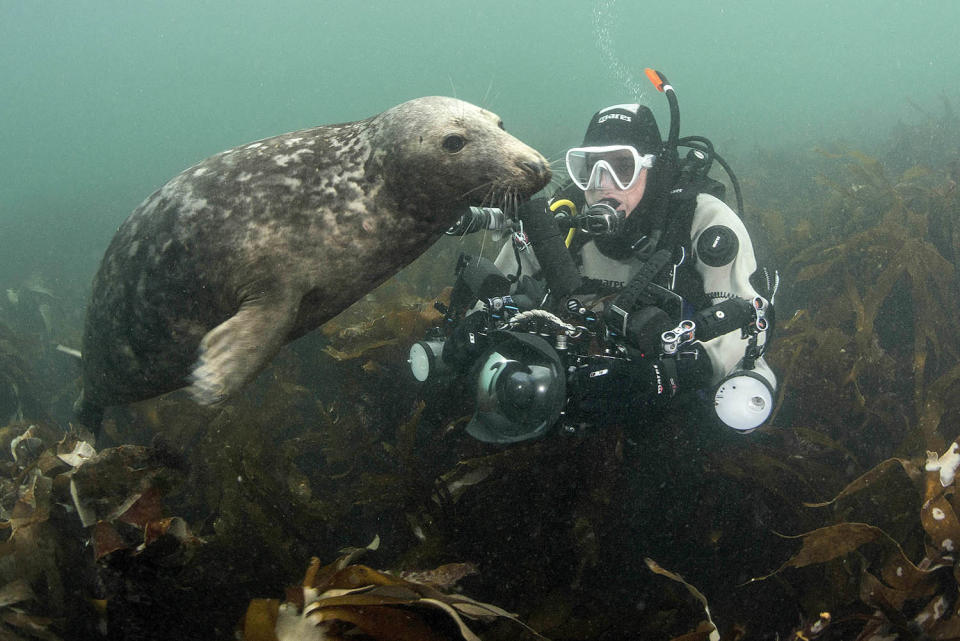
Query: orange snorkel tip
x,y
656,78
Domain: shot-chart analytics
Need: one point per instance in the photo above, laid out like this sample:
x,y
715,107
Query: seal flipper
x,y
234,351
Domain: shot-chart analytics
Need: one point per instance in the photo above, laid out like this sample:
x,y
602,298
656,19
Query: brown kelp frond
x,y
904,594
111,503
880,319
828,543
707,630
377,323
346,601
870,477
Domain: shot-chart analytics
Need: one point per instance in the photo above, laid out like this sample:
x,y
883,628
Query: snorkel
x,y
676,180
702,154
663,86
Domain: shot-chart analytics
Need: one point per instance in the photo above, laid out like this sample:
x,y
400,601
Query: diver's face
x,y
628,199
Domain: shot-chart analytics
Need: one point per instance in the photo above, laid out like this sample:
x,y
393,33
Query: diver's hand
x,y
642,328
531,208
618,389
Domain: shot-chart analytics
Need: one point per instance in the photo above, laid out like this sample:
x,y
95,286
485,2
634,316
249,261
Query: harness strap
x,y
636,291
637,287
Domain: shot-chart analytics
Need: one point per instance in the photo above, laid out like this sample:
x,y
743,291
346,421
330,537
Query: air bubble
x,y
602,21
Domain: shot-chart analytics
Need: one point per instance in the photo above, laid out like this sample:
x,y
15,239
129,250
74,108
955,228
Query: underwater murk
x,y
335,499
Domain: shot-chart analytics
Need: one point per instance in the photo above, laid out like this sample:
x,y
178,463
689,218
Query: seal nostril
x,y
535,168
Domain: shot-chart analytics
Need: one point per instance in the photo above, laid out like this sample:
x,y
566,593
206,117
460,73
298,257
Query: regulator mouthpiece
x,y
602,218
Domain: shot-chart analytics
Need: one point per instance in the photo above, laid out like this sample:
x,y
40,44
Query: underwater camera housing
x,y
529,369
516,377
519,384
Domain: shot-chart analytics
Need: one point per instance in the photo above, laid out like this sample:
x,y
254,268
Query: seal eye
x,y
454,143
500,124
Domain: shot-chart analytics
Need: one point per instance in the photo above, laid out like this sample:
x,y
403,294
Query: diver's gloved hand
x,y
546,238
531,209
644,327
623,390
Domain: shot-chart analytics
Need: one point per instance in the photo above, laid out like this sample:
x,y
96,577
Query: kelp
x,y
38,382
67,510
870,477
343,601
16,378
707,631
879,317
379,320
908,598
333,443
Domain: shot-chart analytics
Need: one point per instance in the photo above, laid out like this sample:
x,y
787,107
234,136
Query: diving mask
x,y
596,167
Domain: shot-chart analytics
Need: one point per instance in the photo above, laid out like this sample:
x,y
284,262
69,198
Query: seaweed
x,y
343,600
334,442
880,313
912,599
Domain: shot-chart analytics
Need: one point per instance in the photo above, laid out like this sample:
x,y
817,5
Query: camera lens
x,y
520,390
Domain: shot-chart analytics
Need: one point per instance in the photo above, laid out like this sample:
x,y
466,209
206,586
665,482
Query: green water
x,y
103,101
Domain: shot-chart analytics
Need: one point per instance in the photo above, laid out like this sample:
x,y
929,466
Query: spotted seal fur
x,y
255,246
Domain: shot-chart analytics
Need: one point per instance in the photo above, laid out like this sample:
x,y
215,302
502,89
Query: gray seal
x,y
258,245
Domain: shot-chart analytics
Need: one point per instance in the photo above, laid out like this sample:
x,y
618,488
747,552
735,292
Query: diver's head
x,y
619,149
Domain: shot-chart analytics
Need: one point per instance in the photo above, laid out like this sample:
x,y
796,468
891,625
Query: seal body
x,y
257,245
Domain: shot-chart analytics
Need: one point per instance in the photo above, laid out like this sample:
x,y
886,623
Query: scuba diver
x,y
630,284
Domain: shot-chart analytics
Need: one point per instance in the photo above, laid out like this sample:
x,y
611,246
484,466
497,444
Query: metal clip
x,y
672,340
520,239
622,318
673,274
760,322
